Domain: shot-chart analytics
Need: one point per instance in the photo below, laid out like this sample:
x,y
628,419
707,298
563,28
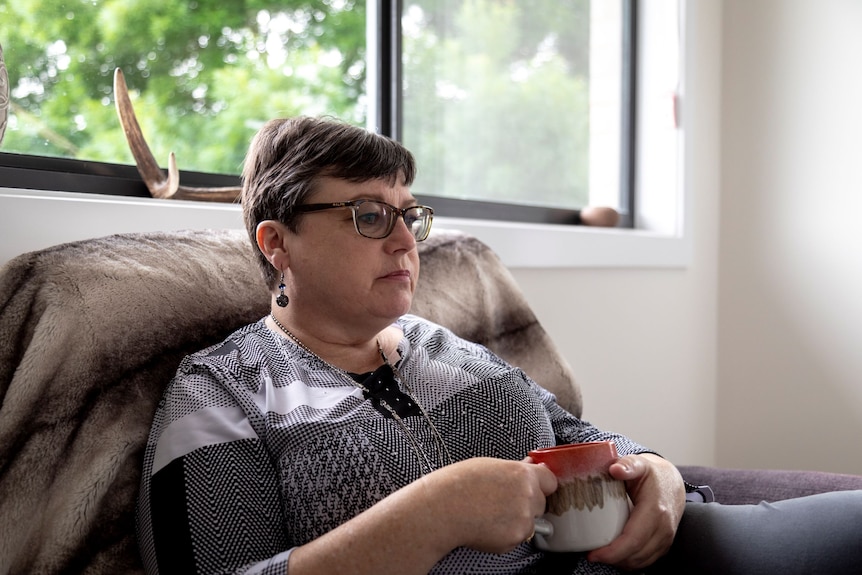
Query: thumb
x,y
547,480
627,468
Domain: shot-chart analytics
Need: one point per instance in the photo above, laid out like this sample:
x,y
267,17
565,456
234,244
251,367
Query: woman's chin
x,y
398,302
395,311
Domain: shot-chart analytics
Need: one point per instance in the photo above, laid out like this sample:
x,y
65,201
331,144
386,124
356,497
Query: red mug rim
x,y
566,446
597,457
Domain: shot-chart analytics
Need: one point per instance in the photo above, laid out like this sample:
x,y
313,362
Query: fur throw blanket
x,y
92,331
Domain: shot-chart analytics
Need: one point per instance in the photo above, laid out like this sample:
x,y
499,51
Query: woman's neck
x,y
359,354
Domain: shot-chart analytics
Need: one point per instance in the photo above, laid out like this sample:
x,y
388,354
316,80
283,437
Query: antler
x,y
4,95
153,176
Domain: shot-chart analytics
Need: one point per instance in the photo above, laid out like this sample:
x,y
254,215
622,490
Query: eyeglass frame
x,y
354,208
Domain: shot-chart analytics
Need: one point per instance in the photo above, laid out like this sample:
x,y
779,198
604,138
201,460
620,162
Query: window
x,y
515,110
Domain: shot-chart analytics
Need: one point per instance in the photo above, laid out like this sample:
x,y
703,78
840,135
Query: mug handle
x,y
543,527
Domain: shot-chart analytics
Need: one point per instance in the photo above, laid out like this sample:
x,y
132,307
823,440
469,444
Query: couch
x,y
91,332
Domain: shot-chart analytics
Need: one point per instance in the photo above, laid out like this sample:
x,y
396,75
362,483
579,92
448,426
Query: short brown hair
x,y
288,155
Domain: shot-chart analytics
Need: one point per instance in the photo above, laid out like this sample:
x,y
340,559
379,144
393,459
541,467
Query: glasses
x,y
376,220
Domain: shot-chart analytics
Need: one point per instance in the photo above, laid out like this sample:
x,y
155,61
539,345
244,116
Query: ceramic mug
x,y
589,508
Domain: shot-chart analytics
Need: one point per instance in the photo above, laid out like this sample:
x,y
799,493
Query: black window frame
x,y
24,171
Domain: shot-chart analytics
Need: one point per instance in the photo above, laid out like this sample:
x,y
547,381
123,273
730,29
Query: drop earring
x,y
282,300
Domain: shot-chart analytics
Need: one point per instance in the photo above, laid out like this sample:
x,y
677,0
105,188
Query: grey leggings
x,y
815,534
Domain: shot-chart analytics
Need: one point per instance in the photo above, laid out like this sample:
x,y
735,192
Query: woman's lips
x,y
398,275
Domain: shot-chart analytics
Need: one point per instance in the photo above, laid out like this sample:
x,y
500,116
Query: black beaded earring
x,y
282,300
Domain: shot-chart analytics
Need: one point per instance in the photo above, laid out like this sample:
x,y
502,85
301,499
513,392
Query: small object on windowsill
x,y
598,216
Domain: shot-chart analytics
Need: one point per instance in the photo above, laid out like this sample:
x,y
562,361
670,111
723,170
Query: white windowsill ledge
x,y
32,220
522,245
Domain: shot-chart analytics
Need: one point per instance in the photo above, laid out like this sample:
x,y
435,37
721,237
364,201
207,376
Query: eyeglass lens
x,y
376,220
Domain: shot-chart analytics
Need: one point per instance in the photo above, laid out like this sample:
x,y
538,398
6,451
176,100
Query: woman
x,y
339,434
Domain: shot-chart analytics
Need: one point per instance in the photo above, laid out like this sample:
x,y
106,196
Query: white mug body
x,y
584,528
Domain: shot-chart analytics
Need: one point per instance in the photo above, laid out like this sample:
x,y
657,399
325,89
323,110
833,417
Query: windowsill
x,y
33,220
554,246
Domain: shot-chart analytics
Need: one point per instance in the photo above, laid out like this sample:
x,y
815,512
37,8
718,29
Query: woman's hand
x,y
489,504
658,493
483,503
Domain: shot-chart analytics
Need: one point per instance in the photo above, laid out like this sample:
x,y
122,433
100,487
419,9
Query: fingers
x,y
498,501
655,490
641,543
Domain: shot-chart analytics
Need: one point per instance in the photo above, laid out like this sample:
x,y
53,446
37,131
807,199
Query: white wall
x,y
790,298
32,220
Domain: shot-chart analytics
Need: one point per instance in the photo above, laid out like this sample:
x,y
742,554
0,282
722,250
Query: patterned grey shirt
x,y
258,447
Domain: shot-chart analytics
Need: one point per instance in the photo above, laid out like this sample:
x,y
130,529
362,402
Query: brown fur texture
x,y
92,331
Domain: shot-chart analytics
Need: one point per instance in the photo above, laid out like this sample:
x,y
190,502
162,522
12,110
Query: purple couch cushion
x,y
741,486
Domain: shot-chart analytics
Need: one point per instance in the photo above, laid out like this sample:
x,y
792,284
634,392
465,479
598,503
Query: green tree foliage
x,y
496,99
185,62
495,92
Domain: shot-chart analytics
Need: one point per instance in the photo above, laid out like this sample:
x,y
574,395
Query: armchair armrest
x,y
741,486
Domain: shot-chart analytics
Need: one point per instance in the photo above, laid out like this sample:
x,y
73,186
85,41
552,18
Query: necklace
x,y
443,456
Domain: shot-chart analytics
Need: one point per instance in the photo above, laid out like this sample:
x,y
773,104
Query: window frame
x,y
23,171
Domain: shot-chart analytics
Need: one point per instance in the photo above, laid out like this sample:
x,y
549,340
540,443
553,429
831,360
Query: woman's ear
x,y
271,238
